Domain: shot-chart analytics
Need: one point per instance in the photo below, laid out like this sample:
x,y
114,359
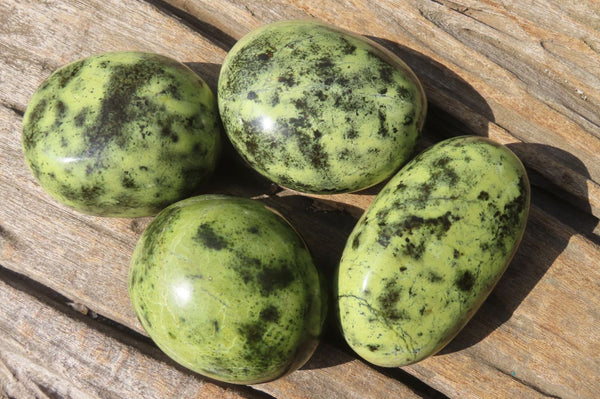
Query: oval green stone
x,y
122,134
430,248
227,288
318,109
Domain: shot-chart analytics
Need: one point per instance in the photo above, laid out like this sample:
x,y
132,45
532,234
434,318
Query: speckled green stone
x,y
318,109
122,134
227,288
430,248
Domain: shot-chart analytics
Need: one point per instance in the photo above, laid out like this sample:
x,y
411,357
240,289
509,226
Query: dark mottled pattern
x,y
430,247
122,134
317,109
227,288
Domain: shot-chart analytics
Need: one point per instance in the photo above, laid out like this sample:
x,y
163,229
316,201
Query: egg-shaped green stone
x,y
318,109
227,288
122,134
430,248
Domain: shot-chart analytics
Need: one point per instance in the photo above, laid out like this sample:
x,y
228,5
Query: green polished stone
x,y
318,109
430,248
122,134
227,288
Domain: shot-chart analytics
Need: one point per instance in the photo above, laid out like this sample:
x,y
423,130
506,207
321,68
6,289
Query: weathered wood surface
x,y
523,73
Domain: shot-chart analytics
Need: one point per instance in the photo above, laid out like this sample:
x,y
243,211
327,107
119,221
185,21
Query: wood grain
x,y
89,258
523,74
47,351
514,72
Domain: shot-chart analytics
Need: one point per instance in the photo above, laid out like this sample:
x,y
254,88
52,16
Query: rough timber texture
x,y
523,73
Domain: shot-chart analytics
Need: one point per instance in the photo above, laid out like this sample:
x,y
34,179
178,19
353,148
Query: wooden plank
x,y
508,349
47,351
539,327
105,292
514,72
88,260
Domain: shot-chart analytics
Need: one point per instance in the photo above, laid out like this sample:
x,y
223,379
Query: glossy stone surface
x,y
122,134
227,288
430,248
317,109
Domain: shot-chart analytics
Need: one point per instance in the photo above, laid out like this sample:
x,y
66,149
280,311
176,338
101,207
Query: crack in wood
x,y
207,30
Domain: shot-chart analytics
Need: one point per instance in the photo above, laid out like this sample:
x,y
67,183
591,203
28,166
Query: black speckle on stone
x,y
216,326
246,275
253,139
385,236
400,186
456,253
81,117
439,225
301,104
388,301
373,347
252,95
433,277
356,241
404,94
403,268
483,196
465,281
444,172
324,65
425,191
347,47
144,168
253,230
509,220
127,181
266,56
90,194
209,238
386,73
321,96
299,123
441,162
167,132
173,91
275,99
312,149
269,314
253,332
275,278
31,132
413,250
61,108
351,134
344,154
383,130
287,80
143,315
66,74
154,230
